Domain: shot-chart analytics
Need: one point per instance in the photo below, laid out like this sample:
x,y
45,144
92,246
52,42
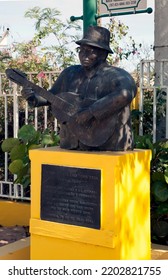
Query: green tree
x,y
28,58
122,44
48,25
49,49
53,47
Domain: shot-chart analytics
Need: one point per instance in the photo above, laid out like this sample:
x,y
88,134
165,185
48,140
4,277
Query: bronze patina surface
x,y
91,101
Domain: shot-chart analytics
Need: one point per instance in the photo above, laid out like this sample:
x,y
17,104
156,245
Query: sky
x,y
141,26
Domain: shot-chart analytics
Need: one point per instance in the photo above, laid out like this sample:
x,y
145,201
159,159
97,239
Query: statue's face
x,y
90,56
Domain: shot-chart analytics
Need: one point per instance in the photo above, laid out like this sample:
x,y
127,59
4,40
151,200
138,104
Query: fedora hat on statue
x,y
96,36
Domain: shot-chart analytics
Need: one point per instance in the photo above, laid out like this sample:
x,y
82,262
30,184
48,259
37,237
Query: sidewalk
x,y
159,252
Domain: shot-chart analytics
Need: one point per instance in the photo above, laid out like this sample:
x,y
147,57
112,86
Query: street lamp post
x,y
89,13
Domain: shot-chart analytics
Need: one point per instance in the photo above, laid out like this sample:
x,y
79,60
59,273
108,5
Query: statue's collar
x,y
94,71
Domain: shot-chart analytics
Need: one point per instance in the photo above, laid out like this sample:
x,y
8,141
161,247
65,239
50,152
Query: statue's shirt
x,y
112,89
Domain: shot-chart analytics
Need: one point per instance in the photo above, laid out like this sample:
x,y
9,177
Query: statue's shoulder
x,y
120,76
72,68
117,70
71,72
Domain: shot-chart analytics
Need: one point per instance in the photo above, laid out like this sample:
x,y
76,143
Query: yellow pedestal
x,y
124,232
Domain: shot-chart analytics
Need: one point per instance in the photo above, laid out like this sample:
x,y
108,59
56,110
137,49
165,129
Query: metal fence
x,y
154,90
14,112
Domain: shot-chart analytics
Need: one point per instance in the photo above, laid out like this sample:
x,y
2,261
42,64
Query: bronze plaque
x,y
71,195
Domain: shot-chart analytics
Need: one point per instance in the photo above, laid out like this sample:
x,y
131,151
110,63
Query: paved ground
x,y
159,252
12,234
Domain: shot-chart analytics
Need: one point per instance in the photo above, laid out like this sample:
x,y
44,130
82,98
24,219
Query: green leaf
x,y
23,180
56,140
143,142
164,158
160,228
162,209
166,175
25,171
26,181
149,143
35,146
150,146
157,176
27,133
47,139
37,137
164,144
16,166
18,152
9,143
160,191
26,160
17,181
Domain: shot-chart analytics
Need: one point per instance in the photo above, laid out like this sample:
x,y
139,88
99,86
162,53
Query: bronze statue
x,y
92,100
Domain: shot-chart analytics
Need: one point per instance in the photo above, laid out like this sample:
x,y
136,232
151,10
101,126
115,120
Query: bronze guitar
x,y
65,107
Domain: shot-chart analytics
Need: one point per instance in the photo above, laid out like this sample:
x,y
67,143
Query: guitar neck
x,y
20,79
58,101
67,102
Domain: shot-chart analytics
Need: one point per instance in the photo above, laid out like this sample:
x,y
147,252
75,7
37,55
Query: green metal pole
x,y
89,13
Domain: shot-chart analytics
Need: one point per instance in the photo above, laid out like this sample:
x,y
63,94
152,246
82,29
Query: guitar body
x,y
93,133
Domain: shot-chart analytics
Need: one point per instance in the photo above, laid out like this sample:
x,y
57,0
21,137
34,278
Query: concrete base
x,y
124,233
159,252
19,250
15,213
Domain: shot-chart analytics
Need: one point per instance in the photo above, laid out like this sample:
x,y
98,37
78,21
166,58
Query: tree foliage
x,y
122,43
48,25
18,149
53,43
37,55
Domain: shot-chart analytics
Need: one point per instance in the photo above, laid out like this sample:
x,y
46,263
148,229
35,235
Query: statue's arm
x,y
113,102
35,100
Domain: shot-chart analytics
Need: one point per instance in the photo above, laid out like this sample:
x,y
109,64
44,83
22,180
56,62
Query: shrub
x,y
158,186
18,149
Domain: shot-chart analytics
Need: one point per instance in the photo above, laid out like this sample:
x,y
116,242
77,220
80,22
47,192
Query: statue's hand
x,y
33,98
27,93
83,116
